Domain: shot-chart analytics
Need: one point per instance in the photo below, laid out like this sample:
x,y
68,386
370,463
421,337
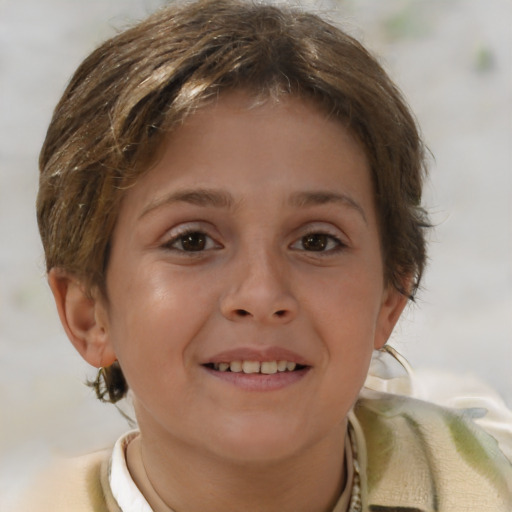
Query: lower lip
x,y
259,381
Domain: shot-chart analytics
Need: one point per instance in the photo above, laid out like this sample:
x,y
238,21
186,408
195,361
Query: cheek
x,y
155,316
348,298
345,311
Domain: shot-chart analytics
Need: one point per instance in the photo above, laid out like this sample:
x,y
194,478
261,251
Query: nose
x,y
258,289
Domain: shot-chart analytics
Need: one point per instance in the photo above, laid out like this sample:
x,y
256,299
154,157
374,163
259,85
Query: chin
x,y
262,441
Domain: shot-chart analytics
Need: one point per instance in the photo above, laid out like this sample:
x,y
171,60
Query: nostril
x,y
280,313
242,312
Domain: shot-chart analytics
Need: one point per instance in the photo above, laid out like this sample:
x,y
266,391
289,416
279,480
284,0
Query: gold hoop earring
x,y
109,385
401,360
384,378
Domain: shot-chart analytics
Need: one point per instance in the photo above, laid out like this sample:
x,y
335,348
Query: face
x,y
245,284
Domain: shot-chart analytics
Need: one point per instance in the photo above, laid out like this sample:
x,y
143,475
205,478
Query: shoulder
x,y
79,485
421,455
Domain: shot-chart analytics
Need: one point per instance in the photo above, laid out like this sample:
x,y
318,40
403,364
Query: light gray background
x,y
452,59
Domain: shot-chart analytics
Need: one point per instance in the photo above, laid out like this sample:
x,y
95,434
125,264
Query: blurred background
x,y
453,61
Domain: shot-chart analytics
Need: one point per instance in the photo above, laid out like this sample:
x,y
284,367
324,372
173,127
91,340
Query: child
x,y
230,206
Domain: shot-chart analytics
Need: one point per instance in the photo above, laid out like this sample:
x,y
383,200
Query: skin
x,y
264,179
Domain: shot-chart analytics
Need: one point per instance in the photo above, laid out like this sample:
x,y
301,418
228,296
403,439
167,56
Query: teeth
x,y
269,367
265,367
235,366
251,367
281,366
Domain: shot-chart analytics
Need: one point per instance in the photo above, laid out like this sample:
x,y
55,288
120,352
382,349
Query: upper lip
x,y
260,354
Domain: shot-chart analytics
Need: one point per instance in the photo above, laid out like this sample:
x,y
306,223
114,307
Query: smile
x,y
250,367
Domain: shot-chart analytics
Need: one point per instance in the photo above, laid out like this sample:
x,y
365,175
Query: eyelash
x,y
339,245
180,237
324,239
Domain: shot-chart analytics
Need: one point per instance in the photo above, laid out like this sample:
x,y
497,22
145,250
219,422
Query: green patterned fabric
x,y
419,456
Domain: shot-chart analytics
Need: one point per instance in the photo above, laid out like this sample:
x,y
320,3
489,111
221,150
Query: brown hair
x,y
131,91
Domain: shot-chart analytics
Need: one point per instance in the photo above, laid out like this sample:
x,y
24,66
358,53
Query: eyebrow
x,y
303,199
198,197
223,199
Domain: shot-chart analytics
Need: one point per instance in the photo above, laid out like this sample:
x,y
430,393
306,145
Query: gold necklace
x,y
356,504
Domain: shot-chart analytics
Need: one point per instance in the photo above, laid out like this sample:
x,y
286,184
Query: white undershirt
x,y
123,488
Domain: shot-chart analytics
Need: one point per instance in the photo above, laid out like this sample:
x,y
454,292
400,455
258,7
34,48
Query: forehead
x,y
241,123
244,145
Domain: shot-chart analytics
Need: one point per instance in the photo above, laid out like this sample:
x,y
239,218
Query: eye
x,y
191,241
317,242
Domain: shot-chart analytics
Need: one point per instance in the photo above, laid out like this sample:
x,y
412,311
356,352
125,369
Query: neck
x,y
170,478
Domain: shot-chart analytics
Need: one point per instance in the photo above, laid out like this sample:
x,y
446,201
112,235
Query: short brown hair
x,y
136,87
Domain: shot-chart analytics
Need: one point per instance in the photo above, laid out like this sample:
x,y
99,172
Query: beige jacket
x,y
416,456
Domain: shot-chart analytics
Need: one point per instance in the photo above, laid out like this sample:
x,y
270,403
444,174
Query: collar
x,y
123,488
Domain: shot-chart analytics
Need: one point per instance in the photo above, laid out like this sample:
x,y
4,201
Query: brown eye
x,y
315,242
195,241
191,241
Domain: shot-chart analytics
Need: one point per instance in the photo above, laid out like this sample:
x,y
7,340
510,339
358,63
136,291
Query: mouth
x,y
256,367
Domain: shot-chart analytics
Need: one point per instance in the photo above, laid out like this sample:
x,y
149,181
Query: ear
x,y
393,303
83,317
